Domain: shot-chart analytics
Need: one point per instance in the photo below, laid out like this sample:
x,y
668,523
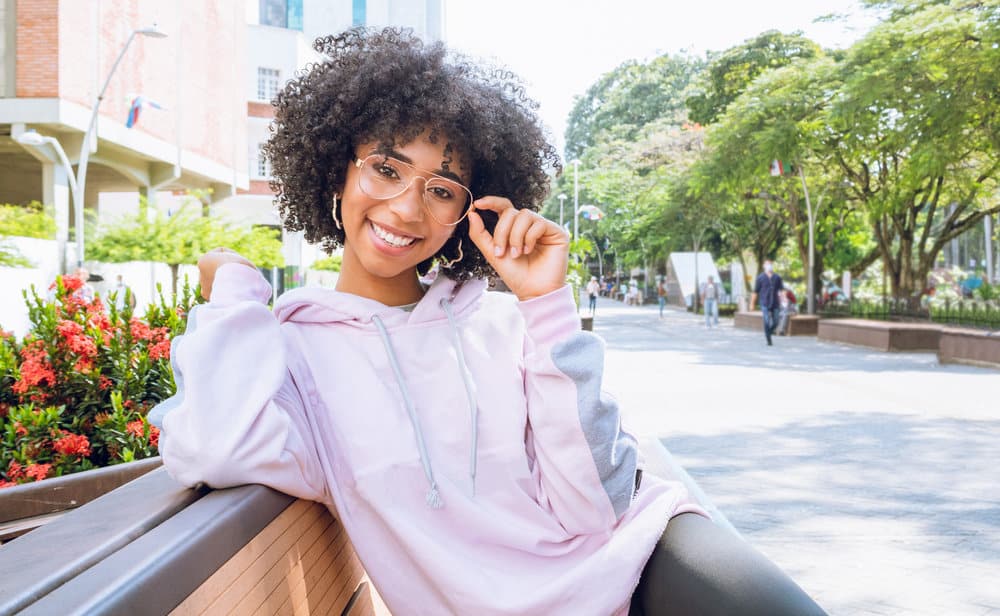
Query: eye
x,y
441,192
385,170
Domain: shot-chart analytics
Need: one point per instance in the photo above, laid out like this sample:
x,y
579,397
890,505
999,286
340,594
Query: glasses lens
x,y
383,177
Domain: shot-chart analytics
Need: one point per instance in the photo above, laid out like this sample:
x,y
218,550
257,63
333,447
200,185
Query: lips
x,y
391,238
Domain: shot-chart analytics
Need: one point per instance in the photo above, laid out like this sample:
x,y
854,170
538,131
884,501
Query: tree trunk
x,y
174,271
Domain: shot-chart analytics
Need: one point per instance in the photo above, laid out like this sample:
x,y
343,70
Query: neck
x,y
398,290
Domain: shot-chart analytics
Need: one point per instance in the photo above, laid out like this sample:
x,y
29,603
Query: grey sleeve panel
x,y
615,452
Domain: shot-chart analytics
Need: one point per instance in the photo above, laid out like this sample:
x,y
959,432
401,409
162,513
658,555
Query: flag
x,y
591,212
777,169
137,104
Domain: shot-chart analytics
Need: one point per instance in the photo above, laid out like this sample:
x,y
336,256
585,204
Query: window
x,y
281,13
261,166
267,83
359,12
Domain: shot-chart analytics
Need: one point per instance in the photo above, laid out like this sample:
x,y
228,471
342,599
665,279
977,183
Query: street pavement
x,y
872,478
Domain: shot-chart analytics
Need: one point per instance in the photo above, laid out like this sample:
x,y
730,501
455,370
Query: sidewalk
x,y
873,479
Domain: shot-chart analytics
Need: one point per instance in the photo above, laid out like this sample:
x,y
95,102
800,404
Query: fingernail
x,y
515,252
498,251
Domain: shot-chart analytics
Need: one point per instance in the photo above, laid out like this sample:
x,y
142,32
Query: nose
x,y
409,205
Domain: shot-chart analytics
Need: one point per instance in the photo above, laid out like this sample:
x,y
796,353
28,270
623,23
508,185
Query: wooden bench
x,y
154,547
798,325
881,335
967,346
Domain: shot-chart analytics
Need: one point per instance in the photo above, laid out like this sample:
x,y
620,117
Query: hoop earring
x,y
336,220
448,264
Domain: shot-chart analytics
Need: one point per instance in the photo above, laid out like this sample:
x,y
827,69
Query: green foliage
x,y
327,264
730,73
76,390
27,221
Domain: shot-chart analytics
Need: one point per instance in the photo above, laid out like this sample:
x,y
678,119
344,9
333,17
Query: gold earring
x,y
336,220
448,264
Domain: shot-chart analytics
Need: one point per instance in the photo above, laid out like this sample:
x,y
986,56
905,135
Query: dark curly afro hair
x,y
388,86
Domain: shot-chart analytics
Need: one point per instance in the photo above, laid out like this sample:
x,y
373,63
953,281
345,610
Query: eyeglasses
x,y
384,177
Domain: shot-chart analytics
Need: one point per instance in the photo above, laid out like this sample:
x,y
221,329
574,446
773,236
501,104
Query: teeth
x,y
391,239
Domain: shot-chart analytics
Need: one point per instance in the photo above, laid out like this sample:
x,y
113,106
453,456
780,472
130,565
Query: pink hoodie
x,y
465,446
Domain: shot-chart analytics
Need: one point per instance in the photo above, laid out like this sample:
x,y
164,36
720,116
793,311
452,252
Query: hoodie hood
x,y
314,305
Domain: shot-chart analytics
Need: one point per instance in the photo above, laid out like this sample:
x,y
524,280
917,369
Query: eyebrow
x,y
406,159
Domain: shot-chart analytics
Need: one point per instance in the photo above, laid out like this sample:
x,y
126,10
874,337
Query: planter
x,y
30,505
587,324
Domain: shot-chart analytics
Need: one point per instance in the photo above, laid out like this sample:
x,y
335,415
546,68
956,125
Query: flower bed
x,y
75,391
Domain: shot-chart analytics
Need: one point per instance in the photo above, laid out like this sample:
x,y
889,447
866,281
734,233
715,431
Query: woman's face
x,y
385,239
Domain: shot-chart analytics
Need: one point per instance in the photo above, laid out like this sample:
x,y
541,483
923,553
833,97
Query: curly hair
x,y
388,87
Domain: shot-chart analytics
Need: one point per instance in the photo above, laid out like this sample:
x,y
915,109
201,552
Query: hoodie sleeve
x,y
237,417
586,462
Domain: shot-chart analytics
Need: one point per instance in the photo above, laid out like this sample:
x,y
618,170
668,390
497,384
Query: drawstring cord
x,y
467,380
433,496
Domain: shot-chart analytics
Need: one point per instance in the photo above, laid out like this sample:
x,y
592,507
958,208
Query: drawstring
x,y
467,380
433,496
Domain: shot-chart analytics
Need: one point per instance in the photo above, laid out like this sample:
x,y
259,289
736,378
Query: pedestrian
x,y
633,292
85,291
459,435
788,309
122,294
661,295
766,287
593,288
711,296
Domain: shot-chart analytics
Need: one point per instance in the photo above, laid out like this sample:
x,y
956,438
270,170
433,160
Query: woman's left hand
x,y
530,252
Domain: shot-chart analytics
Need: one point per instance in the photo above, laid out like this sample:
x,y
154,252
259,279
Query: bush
x,y
327,264
75,391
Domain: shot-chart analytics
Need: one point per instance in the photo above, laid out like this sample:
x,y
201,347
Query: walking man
x,y
766,288
711,295
661,294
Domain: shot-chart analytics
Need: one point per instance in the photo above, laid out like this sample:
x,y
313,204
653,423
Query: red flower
x,y
35,368
38,471
76,340
15,471
83,365
140,330
5,334
19,429
105,382
6,484
154,436
135,428
160,350
72,445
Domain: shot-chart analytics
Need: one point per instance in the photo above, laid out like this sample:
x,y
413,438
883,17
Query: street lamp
x,y
34,139
576,194
562,201
78,184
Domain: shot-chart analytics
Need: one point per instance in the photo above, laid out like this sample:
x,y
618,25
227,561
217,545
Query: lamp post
x,y
576,195
562,202
32,138
79,185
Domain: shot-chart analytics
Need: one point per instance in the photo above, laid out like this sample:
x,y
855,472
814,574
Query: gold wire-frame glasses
x,y
383,177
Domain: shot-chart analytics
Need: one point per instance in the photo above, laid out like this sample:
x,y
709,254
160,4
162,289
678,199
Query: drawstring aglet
x,y
434,499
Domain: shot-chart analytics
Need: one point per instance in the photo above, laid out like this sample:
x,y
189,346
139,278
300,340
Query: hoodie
x,y
465,445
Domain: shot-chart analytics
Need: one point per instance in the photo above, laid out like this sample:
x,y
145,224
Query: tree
x,y
915,129
628,98
730,73
181,239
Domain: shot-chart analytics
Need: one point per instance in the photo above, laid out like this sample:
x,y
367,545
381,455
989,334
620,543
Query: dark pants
x,y
700,568
593,303
770,321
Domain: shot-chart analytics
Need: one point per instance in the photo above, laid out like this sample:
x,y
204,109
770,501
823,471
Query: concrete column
x,y
56,192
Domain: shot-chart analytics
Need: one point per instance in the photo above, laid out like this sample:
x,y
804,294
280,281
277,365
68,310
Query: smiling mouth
x,y
392,239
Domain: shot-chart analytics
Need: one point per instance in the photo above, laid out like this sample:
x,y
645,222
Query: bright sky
x,y
561,47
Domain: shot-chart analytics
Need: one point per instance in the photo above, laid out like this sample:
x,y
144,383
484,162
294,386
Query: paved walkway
x,y
873,479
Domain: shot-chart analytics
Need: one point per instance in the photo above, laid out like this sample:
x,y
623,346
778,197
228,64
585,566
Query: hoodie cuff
x,y
551,317
235,282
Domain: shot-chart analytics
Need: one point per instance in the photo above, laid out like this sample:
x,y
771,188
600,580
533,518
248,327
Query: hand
x,y
529,252
210,262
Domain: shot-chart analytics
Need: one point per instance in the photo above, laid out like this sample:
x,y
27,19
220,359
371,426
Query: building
x,y
57,57
279,36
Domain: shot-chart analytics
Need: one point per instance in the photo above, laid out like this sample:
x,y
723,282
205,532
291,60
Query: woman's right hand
x,y
211,261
